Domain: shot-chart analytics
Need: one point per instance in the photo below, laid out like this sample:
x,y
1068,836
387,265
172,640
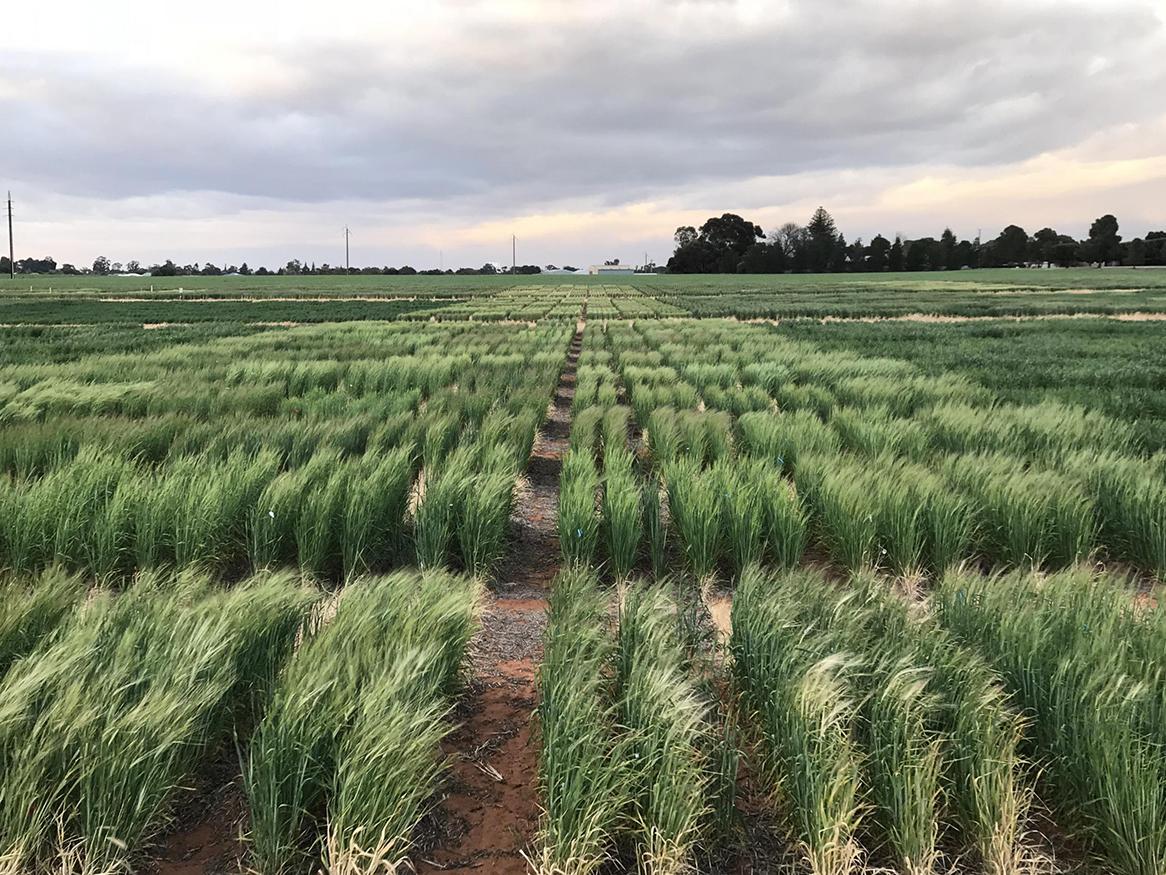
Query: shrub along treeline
x,y
731,244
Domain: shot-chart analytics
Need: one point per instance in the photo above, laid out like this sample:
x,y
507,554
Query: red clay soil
x,y
205,838
490,811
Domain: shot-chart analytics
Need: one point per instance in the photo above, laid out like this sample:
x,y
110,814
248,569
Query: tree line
x,y
731,244
102,266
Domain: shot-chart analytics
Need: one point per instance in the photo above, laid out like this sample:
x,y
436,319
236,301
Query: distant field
x,y
982,293
1118,367
563,576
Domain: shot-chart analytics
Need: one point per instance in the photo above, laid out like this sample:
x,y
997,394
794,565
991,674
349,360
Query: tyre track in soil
x,y
489,814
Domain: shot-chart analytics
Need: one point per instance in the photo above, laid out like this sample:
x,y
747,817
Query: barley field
x,y
732,574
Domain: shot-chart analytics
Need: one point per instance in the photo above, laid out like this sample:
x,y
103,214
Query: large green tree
x,y
878,253
1104,243
946,253
895,255
1042,245
1011,247
823,234
717,247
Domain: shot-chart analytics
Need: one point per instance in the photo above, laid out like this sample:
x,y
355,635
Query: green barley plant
x,y
395,641
1030,518
719,435
319,522
663,435
615,430
768,375
664,715
606,394
583,778
209,516
29,612
694,503
271,526
109,551
622,511
1062,646
482,519
578,519
102,725
815,401
742,511
387,771
903,766
434,526
48,521
438,439
655,527
783,438
844,510
587,379
785,521
808,723
373,515
798,692
899,518
585,428
1130,498
875,432
987,781
697,436
723,775
948,524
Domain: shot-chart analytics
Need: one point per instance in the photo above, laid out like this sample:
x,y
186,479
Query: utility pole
x,y
513,254
347,264
11,251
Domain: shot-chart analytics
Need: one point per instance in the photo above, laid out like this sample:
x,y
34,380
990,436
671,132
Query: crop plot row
x,y
340,449
905,737
991,293
765,445
881,736
519,303
1113,366
561,301
883,741
633,762
70,310
112,702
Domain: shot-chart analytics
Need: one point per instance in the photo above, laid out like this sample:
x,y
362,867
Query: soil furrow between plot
x,y
490,812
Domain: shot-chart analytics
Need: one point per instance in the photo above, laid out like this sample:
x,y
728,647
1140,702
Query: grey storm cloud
x,y
615,110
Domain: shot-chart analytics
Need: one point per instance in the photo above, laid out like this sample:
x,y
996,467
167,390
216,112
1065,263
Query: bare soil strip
x,y
210,819
490,813
1139,316
276,299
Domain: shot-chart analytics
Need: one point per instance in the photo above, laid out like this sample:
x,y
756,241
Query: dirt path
x,y
490,813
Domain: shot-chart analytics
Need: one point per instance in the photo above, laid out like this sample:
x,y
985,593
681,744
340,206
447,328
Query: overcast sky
x,y
243,130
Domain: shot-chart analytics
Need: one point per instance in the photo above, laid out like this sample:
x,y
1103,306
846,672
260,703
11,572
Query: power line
x,y
11,251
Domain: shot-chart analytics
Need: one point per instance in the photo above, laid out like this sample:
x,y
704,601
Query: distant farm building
x,y
611,270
